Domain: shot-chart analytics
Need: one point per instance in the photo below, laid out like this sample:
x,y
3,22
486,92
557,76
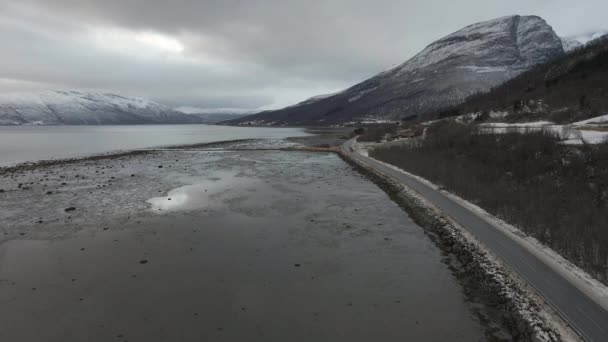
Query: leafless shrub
x,y
376,133
556,193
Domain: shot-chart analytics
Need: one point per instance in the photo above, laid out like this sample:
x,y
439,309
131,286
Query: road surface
x,y
585,316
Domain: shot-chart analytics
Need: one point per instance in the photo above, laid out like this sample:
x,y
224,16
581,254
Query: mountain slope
x,y
570,44
571,88
212,118
468,61
85,108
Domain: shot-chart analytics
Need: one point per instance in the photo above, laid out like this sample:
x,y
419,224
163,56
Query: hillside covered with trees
x,y
571,88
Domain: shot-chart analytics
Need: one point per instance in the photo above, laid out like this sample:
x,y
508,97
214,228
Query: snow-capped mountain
x,y
472,60
570,44
573,42
84,108
589,36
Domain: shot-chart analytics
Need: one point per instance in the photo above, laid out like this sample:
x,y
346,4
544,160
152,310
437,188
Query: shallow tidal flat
x,y
218,245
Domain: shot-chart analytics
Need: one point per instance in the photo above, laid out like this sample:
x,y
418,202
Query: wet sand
x,y
218,245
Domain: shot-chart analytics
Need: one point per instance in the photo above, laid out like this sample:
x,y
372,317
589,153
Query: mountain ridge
x,y
468,61
59,107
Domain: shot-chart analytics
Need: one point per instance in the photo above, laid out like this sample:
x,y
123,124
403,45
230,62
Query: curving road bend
x,y
584,315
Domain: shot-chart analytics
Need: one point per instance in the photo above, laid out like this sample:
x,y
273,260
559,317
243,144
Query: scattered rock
x,y
297,265
495,286
144,261
69,209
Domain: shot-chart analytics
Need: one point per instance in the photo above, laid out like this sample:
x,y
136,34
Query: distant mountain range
x,y
211,118
86,108
469,61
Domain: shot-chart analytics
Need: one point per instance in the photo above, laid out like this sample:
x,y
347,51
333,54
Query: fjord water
x,y
31,143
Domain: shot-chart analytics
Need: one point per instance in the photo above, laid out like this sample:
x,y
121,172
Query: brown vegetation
x,y
556,193
376,133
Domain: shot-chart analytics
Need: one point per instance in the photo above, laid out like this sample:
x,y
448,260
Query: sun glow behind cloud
x,y
142,44
159,41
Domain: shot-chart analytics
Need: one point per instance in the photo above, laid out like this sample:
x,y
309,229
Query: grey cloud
x,y
278,49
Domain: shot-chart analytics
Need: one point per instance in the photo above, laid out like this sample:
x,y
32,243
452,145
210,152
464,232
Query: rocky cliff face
x,y
468,61
84,108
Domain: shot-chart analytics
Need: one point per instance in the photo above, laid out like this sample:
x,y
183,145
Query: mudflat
x,y
242,241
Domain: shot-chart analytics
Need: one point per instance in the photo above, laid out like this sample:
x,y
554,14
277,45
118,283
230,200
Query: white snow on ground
x,y
589,137
576,276
575,136
362,148
602,119
376,120
596,120
516,125
498,114
483,70
467,118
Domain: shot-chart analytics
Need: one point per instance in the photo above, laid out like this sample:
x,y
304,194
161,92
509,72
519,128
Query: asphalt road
x,y
585,316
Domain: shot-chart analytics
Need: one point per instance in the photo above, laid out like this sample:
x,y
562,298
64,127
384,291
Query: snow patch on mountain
x,y
573,42
570,44
55,107
471,60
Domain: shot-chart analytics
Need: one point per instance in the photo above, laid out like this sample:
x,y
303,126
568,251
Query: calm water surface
x,y
31,143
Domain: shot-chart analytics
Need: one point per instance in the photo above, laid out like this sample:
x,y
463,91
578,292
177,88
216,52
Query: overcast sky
x,y
244,54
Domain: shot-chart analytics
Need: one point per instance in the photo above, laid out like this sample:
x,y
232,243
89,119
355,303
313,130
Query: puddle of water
x,y
206,194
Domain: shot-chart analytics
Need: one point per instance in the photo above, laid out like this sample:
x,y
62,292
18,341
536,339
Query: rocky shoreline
x,y
508,308
219,244
484,277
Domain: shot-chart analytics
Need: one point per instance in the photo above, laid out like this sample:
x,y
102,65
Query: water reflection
x,y
205,194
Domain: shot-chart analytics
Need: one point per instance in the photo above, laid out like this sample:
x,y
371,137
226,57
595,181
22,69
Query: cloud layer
x,y
238,54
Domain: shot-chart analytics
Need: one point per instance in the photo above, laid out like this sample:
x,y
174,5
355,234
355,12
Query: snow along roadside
x,y
575,275
520,309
